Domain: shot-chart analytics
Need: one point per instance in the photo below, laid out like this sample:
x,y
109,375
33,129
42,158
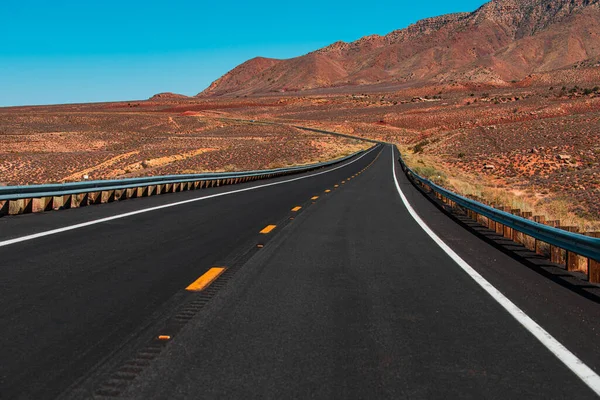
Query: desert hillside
x,y
502,41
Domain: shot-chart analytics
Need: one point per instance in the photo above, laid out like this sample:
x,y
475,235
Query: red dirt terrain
x,y
64,143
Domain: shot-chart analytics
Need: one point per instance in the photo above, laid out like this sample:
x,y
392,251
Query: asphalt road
x,y
349,299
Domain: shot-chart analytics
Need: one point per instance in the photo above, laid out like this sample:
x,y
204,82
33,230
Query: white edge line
x,y
145,210
585,373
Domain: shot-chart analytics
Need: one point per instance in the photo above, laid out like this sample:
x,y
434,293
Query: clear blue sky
x,y
67,51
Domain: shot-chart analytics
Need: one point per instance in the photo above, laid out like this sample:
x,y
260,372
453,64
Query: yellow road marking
x,y
336,185
268,229
327,191
164,337
296,208
314,197
205,280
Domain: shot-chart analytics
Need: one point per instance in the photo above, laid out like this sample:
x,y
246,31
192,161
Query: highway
x,y
357,287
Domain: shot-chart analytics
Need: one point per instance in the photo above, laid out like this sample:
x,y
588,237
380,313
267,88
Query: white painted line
x,y
145,210
585,373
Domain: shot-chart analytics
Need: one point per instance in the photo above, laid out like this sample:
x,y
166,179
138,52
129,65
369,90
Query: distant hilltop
x,y
168,95
502,41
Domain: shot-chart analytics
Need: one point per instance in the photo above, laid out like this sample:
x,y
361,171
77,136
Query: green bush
x,y
419,147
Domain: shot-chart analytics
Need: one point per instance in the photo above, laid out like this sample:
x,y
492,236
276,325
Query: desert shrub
x,y
432,174
419,147
461,155
588,91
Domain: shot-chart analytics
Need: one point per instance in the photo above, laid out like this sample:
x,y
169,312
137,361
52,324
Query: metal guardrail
x,y
585,246
19,199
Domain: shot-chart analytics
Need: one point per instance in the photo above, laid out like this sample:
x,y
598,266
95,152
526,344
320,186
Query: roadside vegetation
x,y
478,187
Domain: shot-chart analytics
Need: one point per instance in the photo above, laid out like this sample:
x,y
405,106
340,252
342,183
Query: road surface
x,y
347,296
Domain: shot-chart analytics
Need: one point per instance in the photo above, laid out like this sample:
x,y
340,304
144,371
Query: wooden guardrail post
x,y
491,223
555,252
516,235
41,204
593,265
572,259
19,206
541,219
499,226
94,198
60,202
3,207
107,196
506,231
528,241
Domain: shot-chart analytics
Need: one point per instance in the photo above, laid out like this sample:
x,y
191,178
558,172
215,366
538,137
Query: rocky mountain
x,y
502,41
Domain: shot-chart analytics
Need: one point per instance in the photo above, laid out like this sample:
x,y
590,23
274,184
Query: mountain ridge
x,y
501,41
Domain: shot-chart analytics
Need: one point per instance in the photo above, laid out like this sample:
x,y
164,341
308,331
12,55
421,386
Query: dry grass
x,y
495,194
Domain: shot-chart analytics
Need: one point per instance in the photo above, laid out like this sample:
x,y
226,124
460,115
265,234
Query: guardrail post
x,y
516,235
541,219
593,265
151,190
58,202
3,207
94,198
131,193
78,200
107,196
491,224
499,226
120,194
19,206
141,191
41,204
555,252
506,231
572,259
528,241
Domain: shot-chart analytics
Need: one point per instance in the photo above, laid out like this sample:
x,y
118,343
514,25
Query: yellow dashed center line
x,y
205,280
296,208
336,185
268,229
314,197
327,191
